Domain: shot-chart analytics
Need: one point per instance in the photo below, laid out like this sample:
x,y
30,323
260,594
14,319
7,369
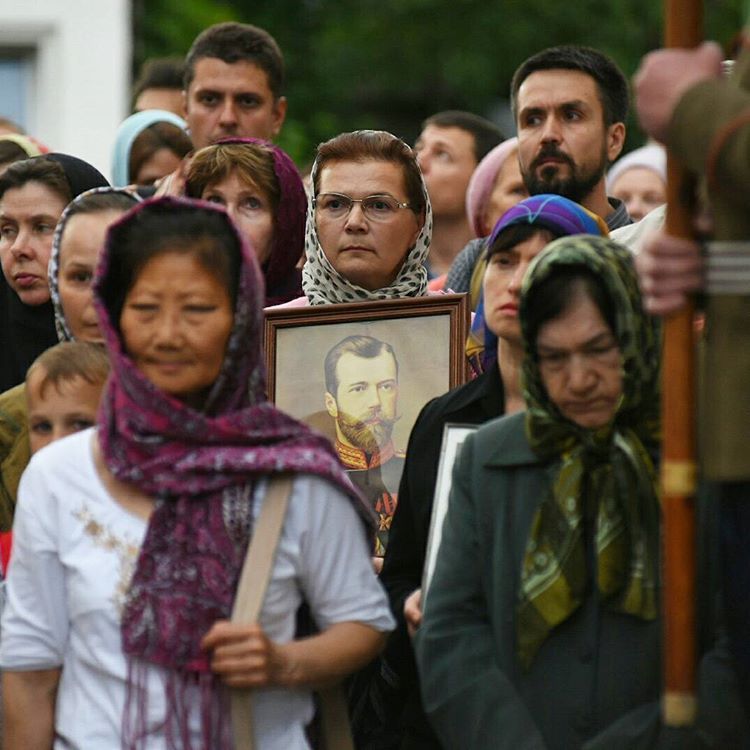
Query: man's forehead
x,y
451,136
243,75
557,86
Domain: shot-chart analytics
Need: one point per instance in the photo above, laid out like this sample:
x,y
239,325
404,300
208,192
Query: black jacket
x,y
393,701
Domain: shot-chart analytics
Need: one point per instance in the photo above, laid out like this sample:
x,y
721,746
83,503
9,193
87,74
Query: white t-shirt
x,y
75,550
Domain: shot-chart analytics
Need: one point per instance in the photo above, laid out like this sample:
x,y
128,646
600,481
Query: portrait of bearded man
x,y
361,377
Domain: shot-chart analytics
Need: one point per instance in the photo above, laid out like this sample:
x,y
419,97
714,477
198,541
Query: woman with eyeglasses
x,y
369,223
542,623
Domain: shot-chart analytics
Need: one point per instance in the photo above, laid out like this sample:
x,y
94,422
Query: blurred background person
x,y
15,147
448,150
495,186
148,146
63,389
9,127
159,85
639,180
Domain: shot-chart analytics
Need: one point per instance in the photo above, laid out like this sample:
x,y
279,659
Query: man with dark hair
x,y
234,75
361,374
449,148
570,105
159,85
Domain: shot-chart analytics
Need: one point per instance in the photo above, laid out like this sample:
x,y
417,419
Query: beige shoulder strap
x,y
251,590
256,573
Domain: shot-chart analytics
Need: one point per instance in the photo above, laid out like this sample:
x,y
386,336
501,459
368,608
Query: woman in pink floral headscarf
x,y
129,539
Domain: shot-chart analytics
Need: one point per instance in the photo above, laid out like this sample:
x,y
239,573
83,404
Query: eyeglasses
x,y
374,207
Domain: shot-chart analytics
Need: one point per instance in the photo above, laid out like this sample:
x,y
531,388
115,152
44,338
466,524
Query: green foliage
x,y
391,63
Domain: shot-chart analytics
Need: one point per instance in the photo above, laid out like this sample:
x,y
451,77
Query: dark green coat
x,y
595,682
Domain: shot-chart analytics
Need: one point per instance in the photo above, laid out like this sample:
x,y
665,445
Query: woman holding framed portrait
x,y
369,224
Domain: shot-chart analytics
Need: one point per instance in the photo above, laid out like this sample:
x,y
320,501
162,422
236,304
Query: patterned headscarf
x,y
324,285
558,215
611,466
53,270
201,466
283,278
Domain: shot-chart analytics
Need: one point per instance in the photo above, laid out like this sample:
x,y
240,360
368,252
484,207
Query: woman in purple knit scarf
x,y
130,537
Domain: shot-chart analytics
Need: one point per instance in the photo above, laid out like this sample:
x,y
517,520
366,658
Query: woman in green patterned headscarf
x,y
591,375
541,626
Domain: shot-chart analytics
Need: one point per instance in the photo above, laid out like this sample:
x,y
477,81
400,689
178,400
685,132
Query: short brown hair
x,y
485,134
366,347
362,145
70,360
160,73
37,169
253,162
236,42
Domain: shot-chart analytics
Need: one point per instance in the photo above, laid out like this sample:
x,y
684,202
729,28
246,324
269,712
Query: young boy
x,y
63,388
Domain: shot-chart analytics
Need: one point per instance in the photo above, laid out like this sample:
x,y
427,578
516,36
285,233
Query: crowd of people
x,y
140,454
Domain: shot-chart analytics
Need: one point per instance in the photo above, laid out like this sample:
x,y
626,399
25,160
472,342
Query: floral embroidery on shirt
x,y
126,550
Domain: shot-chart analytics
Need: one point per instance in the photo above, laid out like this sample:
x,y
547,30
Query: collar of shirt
x,y
355,458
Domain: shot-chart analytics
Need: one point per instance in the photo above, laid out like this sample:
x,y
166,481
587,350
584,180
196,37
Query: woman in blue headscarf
x,y
148,146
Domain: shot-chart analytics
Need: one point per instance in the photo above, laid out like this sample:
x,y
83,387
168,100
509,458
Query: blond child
x,y
63,389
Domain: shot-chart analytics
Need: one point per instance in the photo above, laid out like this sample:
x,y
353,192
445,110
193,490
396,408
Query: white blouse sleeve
x,y
34,627
336,571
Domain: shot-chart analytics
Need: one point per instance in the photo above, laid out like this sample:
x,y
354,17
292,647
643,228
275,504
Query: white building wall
x,y
81,70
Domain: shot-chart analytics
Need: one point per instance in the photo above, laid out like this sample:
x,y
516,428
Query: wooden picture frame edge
x,y
456,305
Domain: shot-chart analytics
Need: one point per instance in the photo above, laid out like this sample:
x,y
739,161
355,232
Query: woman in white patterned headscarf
x,y
369,222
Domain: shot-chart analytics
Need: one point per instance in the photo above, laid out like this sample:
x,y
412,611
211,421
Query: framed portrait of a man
x,y
360,373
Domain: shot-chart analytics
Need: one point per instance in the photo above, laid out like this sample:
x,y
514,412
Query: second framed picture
x,y
361,372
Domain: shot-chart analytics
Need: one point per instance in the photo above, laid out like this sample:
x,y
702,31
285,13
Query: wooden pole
x,y
684,25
